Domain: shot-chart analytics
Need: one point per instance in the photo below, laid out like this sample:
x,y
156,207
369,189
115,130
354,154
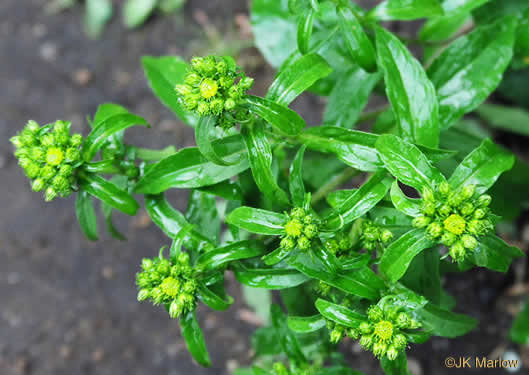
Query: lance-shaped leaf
x,y
471,68
275,256
213,300
399,366
349,98
354,148
423,275
361,282
412,95
285,336
494,253
406,10
107,127
507,118
296,77
188,168
97,14
296,185
409,206
256,220
444,323
462,6
269,278
163,74
136,12
407,163
398,256
356,40
482,167
306,324
213,259
282,118
84,209
171,221
339,314
338,197
194,338
203,130
202,213
361,200
226,189
108,192
305,24
260,158
392,219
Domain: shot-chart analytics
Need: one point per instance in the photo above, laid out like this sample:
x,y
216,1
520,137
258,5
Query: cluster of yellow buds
x,y
302,369
301,227
168,282
384,331
373,235
455,219
339,245
49,156
213,86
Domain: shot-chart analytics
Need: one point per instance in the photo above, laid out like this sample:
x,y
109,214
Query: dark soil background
x,y
67,305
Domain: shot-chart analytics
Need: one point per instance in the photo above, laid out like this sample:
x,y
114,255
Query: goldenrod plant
x,y
355,228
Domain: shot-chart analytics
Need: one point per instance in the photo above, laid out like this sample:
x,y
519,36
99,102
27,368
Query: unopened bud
x,y
468,191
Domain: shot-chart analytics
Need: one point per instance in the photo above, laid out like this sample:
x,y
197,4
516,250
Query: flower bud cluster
x,y
301,228
384,331
373,235
168,282
455,219
213,86
339,245
49,156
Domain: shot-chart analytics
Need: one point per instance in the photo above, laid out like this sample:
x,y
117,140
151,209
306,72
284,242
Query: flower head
x,y
300,229
455,218
49,157
214,86
169,282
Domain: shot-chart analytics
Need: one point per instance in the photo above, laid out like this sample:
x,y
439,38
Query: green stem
x,y
337,181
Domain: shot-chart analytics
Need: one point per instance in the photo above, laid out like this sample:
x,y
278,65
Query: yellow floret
x,y
455,224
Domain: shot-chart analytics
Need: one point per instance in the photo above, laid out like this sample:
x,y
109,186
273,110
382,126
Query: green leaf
x,y
398,256
212,300
260,158
274,29
337,197
409,206
163,74
305,24
461,6
189,169
259,300
406,10
356,40
339,314
275,256
194,339
471,68
423,275
305,324
122,183
205,126
348,99
109,193
443,27
171,221
84,209
444,323
269,278
170,6
361,200
406,81
136,12
256,220
399,366
285,336
202,213
226,189
214,259
296,77
360,282
354,148
97,14
494,253
482,167
407,163
110,125
296,185
282,118
515,120
520,328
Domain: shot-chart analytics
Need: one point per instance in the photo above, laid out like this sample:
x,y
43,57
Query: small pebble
x,y
414,366
48,51
82,76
